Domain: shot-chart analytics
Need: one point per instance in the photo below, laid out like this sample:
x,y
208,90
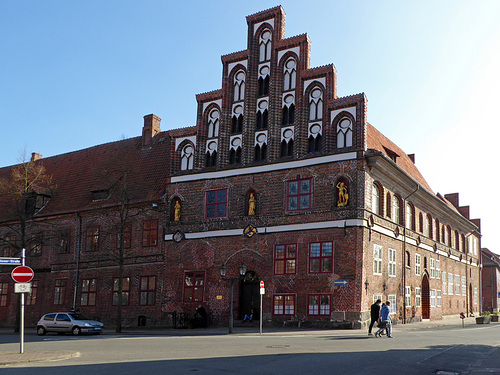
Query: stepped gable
x,y
76,174
377,141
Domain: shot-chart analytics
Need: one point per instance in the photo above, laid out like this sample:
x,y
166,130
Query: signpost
x,y
22,274
10,261
262,292
462,316
341,282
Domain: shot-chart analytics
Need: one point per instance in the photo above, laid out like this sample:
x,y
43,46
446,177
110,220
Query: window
x,y
410,217
290,74
450,284
59,291
299,195
316,105
260,152
417,264
127,237
444,282
89,292
211,157
432,268
319,305
392,300
433,297
375,199
237,124
407,296
438,298
377,260
149,233
396,213
216,203
100,195
239,86
428,226
265,46
392,262
148,291
464,286
235,155
438,269
213,124
314,143
418,297
288,115
193,286
31,297
321,257
286,147
10,246
4,289
92,238
457,285
36,245
261,120
344,133
125,290
285,259
63,242
263,85
376,297
284,304
187,156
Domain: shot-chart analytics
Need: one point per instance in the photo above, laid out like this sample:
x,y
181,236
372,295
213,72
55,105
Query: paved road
x,y
421,348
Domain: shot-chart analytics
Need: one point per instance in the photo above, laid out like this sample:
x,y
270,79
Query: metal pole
x,y
21,350
260,322
231,318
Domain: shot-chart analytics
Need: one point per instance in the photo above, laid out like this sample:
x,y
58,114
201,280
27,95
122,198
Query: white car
x,y
67,322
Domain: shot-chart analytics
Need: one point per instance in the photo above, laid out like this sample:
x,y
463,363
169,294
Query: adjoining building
x,y
490,280
279,175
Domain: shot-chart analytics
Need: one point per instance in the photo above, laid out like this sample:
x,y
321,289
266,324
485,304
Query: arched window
x,y
239,86
316,104
265,45
314,143
437,231
288,115
375,199
289,74
235,156
421,222
428,226
260,152
396,210
211,159
264,86
261,120
388,201
410,216
286,148
187,157
213,123
344,133
237,124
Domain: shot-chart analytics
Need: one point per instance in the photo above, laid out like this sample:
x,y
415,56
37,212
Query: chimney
x,y
35,156
150,129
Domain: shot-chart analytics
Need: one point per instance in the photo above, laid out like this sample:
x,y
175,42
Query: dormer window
x,y
391,154
35,202
100,195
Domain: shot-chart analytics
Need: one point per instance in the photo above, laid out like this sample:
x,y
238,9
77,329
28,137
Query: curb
x,y
11,358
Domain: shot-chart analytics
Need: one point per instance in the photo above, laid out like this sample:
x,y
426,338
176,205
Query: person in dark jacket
x,y
204,316
374,314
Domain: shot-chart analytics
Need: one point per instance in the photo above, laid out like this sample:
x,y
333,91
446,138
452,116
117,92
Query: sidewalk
x,y
10,358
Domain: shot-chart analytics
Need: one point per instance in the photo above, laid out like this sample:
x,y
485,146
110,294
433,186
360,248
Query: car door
x,y
63,323
49,321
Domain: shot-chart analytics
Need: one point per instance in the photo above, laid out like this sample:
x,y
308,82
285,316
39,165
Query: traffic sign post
x,y
22,274
462,316
262,292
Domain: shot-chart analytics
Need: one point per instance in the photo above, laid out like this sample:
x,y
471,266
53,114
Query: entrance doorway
x,y
250,296
426,298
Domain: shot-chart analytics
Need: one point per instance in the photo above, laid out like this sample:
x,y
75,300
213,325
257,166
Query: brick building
x,y
490,280
281,175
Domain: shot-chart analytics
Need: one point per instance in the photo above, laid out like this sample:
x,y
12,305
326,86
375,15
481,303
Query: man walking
x,y
374,314
385,311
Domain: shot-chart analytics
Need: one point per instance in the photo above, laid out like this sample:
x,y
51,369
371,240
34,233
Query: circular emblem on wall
x,y
178,236
249,231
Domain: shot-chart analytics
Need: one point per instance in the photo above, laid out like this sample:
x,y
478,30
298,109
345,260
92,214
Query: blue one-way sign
x,y
341,282
10,260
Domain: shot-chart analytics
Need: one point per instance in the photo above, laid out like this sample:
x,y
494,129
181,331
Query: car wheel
x,y
76,331
41,331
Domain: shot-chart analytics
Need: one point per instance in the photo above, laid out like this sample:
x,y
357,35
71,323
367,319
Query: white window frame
x,y
433,297
432,268
418,297
464,285
392,299
445,282
417,264
450,284
438,268
457,285
377,259
376,297
392,263
438,298
407,296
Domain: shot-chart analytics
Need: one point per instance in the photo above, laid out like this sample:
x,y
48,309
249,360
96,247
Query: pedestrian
x,y
374,314
204,316
386,325
248,317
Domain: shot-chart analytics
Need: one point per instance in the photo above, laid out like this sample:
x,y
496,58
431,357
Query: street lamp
x,y
223,271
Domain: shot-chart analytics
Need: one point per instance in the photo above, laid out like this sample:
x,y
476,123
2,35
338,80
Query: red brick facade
x,y
274,150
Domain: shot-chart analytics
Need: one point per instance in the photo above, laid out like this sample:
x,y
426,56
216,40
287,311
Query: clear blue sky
x,y
79,73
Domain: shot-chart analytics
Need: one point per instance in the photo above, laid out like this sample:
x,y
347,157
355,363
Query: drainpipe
x,y
404,252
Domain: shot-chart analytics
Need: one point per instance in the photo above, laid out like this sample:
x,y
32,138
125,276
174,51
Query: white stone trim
x,y
351,110
178,141
231,66
265,168
295,50
270,21
321,80
218,102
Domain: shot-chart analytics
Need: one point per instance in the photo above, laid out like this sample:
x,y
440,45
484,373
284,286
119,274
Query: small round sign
x,y
262,284
22,274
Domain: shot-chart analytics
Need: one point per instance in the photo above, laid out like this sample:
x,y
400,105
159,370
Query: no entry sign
x,y
22,274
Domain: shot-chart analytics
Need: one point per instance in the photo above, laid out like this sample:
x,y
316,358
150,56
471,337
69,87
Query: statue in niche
x,y
177,210
251,204
343,195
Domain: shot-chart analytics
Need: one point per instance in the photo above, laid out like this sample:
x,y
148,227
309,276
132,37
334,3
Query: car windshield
x,y
77,316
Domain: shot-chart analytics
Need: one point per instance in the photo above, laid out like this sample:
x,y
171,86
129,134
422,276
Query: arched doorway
x,y
426,298
250,295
